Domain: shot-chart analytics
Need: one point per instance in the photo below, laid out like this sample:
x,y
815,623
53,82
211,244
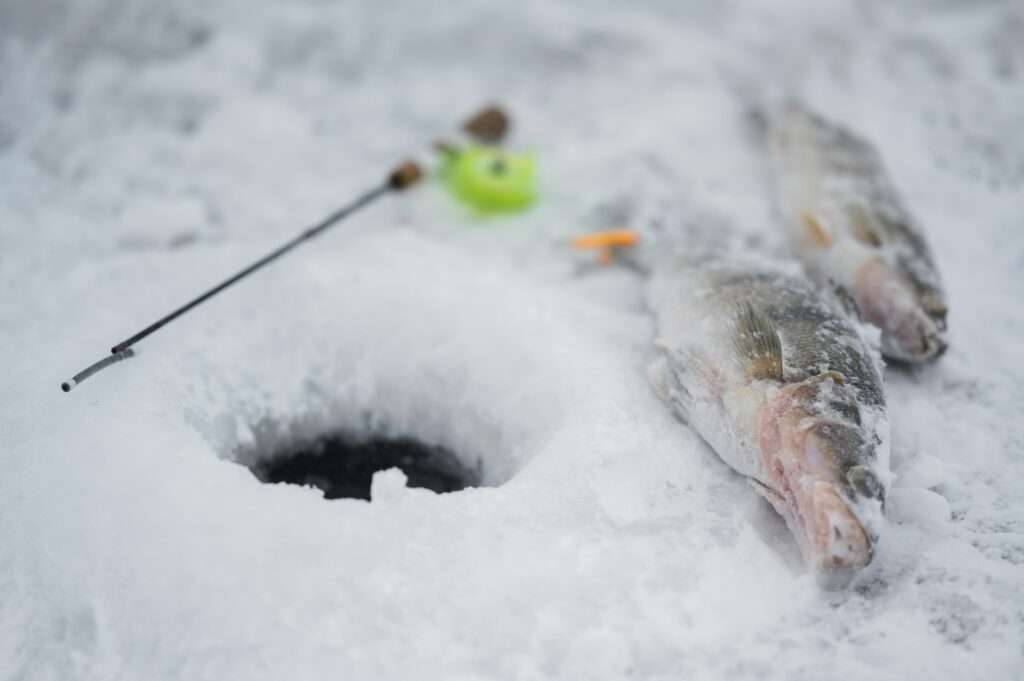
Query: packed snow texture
x,y
149,148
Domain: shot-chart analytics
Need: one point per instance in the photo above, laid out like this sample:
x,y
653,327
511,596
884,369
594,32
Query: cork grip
x,y
405,175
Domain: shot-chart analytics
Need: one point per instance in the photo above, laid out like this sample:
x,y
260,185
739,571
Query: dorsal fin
x,y
758,345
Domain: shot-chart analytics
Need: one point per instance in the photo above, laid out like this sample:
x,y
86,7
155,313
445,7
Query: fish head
x,y
840,501
912,316
826,490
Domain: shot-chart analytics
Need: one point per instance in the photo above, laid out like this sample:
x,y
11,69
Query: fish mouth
x,y
815,478
909,331
832,539
914,337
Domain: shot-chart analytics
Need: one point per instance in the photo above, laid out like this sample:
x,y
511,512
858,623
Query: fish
x,y
787,389
853,232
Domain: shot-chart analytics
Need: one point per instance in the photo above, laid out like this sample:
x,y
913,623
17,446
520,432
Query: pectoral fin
x,y
815,233
777,501
863,229
669,376
757,345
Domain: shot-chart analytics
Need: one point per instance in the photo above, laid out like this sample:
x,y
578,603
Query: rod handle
x,y
405,175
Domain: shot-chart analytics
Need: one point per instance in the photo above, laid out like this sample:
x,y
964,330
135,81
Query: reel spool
x,y
491,179
484,175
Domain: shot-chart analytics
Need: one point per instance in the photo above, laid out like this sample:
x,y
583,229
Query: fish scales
x,y
853,231
807,427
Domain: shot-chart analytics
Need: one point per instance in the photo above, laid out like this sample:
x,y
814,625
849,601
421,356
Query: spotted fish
x,y
781,384
853,232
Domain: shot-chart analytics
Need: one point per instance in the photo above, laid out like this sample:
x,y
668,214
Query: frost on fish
x,y
786,390
852,231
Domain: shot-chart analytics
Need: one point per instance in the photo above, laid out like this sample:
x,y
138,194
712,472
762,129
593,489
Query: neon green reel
x,y
490,179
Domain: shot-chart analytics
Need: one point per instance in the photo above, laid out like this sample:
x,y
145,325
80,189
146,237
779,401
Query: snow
x,y
147,149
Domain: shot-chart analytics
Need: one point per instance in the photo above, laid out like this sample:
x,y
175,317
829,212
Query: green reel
x,y
490,179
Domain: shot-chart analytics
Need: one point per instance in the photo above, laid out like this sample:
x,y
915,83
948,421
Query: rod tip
x,y
66,386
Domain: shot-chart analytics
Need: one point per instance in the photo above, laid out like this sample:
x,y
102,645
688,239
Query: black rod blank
x,y
402,177
269,257
85,373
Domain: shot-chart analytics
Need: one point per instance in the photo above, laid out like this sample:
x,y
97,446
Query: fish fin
x,y
758,344
814,230
777,501
863,230
667,376
657,376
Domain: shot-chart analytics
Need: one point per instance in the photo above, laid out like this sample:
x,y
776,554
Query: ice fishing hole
x,y
342,465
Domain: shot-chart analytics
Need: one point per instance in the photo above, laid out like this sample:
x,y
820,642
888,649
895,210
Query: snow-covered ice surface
x,y
149,148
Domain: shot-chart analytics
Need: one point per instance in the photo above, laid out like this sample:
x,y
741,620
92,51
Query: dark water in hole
x,y
343,467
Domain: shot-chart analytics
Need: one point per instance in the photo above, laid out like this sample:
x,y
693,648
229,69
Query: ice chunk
x,y
388,486
919,506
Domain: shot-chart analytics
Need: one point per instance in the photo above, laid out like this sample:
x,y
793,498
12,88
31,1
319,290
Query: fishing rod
x,y
487,126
